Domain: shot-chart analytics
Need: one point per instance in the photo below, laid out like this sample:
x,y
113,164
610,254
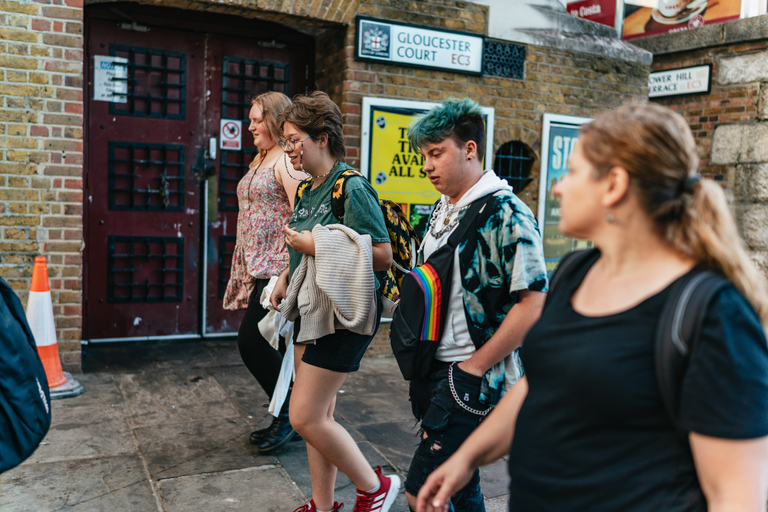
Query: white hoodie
x,y
456,344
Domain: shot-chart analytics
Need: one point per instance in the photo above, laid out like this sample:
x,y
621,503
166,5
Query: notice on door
x,y
110,78
231,134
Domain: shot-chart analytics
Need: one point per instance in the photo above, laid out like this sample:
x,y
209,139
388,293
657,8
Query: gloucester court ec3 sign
x,y
413,45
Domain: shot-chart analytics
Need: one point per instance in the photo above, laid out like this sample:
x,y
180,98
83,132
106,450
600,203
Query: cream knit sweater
x,y
335,289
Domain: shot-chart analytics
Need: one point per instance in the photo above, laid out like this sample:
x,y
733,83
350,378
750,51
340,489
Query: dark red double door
x,y
161,205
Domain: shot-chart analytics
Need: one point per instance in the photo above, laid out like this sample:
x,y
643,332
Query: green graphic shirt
x,y
361,210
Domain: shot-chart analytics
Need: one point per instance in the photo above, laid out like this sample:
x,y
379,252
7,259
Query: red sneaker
x,y
310,507
381,500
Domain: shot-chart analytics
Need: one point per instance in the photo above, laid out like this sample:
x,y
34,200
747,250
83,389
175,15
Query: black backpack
x,y
678,330
25,413
419,318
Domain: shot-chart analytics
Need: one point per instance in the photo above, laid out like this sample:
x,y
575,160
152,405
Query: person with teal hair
x,y
496,293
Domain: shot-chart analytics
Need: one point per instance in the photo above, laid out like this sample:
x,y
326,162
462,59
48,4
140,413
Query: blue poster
x,y
560,143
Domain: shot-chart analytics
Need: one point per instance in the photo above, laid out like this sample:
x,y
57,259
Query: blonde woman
x,y
265,200
586,428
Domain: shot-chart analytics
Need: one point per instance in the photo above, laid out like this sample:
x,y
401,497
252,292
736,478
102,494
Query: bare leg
x,y
329,445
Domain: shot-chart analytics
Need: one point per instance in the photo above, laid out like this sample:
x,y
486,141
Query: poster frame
x,y
370,102
548,121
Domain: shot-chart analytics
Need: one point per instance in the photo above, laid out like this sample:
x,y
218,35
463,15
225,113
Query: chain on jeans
x,y
456,396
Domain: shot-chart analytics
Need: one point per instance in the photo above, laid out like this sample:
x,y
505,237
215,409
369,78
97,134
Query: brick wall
x,y
727,103
41,63
41,152
556,82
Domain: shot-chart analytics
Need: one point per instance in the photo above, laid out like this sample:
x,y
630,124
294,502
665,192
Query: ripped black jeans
x,y
444,426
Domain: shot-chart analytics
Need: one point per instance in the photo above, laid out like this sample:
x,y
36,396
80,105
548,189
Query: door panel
x,y
161,213
239,69
143,198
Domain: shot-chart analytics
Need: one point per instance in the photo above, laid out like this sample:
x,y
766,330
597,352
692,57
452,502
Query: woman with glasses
x,y
314,143
586,427
265,202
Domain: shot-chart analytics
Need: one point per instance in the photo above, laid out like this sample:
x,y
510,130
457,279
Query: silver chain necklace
x,y
448,223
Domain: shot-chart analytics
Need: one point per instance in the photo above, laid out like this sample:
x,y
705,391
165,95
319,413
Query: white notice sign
x,y
693,80
379,40
110,78
231,134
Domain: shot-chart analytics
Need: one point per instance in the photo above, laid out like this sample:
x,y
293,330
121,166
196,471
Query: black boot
x,y
279,432
257,436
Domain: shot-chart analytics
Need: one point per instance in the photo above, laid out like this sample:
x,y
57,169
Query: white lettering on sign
x,y
691,80
561,150
591,10
110,78
419,46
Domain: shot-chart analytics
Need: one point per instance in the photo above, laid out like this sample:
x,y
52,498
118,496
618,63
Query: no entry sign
x,y
231,134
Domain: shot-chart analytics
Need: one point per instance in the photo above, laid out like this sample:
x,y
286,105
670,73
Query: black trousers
x,y
259,357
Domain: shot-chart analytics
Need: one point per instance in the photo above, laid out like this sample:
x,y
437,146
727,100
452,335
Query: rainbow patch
x,y
429,282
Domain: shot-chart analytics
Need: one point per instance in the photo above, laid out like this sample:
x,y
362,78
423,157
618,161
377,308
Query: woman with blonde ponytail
x,y
586,428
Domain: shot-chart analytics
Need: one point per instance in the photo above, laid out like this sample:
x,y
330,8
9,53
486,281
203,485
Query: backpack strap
x,y
302,187
568,264
337,196
677,334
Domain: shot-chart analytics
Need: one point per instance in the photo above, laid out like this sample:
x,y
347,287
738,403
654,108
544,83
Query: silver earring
x,y
609,218
301,161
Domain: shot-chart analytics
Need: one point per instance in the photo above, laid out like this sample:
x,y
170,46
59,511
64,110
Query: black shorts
x,y
341,351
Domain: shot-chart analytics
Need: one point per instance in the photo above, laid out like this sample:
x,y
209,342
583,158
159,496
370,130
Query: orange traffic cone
x,y
40,319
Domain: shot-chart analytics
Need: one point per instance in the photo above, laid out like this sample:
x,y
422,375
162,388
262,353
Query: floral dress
x,y
260,249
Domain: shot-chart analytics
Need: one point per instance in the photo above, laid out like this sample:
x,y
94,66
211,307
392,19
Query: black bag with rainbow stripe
x,y
419,318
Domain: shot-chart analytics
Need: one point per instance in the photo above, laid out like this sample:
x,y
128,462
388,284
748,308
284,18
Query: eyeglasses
x,y
290,144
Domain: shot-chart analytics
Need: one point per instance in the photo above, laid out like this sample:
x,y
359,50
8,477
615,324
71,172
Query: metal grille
x,y
244,79
504,59
145,269
234,165
513,163
145,177
157,81
226,250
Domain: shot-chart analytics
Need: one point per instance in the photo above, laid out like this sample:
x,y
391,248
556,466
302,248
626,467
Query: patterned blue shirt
x,y
505,257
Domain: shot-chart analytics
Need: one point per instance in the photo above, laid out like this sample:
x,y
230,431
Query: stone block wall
x,y
731,122
733,103
41,154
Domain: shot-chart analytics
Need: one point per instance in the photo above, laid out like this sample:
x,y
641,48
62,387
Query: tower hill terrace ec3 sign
x,y
412,45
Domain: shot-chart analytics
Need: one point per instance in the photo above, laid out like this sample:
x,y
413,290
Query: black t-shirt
x,y
593,433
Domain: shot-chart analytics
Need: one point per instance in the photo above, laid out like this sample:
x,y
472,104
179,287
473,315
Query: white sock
x,y
318,510
378,486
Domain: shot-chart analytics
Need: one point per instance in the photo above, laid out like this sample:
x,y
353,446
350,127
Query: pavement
x,y
163,427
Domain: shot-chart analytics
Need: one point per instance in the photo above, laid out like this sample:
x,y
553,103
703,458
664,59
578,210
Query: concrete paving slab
x,y
224,351
396,440
173,396
374,408
244,392
100,389
87,485
131,357
294,460
209,446
265,489
84,432
494,479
